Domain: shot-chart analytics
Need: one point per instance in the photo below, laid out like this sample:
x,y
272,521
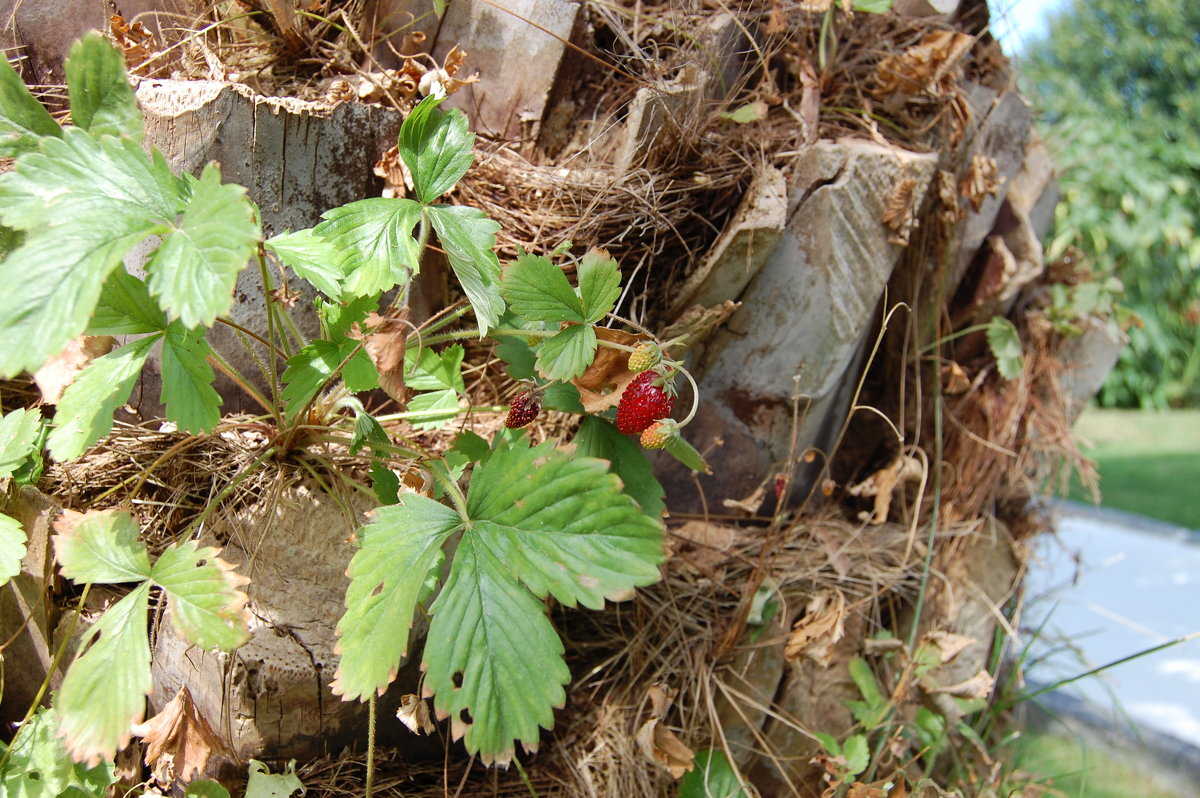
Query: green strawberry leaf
x,y
84,203
310,369
494,662
23,120
104,691
373,239
191,401
126,308
366,430
194,270
685,453
19,433
599,285
598,438
568,354
562,396
12,548
394,571
537,523
538,290
359,373
712,777
432,410
203,788
85,411
338,318
312,257
471,446
468,238
102,101
437,147
869,6
426,370
101,546
265,784
1005,344
563,525
40,767
206,603
857,753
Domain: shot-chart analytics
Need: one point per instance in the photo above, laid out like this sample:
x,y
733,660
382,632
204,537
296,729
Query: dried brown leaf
x,y
898,213
954,379
928,67
601,385
949,644
881,484
978,686
657,742
414,713
385,342
59,372
982,179
180,744
749,505
822,626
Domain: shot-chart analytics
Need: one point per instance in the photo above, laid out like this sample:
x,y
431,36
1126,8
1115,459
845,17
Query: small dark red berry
x,y
523,410
642,403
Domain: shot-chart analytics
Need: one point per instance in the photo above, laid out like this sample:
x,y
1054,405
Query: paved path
x,y
1135,585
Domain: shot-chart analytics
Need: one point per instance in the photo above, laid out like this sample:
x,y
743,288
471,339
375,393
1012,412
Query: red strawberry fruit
x,y
642,404
524,409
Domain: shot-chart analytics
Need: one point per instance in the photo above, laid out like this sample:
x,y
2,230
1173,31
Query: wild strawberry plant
x,y
519,524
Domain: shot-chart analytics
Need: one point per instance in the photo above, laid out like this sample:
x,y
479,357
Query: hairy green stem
x,y
370,785
273,371
442,474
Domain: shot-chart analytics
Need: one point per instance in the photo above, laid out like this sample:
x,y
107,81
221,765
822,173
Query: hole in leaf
x,y
457,678
465,716
378,589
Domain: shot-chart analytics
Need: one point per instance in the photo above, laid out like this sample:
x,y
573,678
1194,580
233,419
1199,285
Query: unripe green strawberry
x,y
523,410
658,435
645,355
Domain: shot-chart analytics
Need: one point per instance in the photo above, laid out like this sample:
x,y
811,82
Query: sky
x,y
1015,22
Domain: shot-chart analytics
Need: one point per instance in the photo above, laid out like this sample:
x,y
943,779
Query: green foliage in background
x,y
1118,86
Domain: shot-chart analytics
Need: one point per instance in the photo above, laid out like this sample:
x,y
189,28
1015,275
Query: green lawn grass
x,y
1086,768
1149,461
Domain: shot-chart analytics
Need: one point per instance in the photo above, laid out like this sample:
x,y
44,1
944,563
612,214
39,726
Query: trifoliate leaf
x,y
39,766
598,438
1005,343
426,370
19,432
126,308
307,371
191,401
12,548
100,546
374,242
712,777
104,691
437,147
562,525
312,257
599,284
194,270
102,101
567,354
23,120
84,203
206,601
85,411
265,784
494,662
394,571
538,290
468,237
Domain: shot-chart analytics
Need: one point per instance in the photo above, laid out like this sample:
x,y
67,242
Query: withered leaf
x,y
822,626
59,372
898,212
928,67
385,342
180,744
954,379
657,742
978,686
601,385
982,179
903,468
414,713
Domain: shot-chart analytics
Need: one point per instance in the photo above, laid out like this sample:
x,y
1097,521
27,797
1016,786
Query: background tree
x,y
1118,84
